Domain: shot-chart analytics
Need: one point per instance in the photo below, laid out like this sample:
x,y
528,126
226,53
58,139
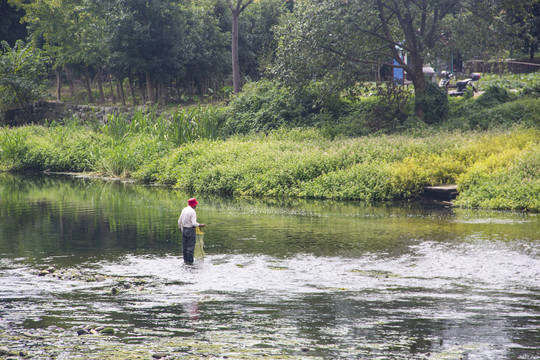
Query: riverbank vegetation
x,y
492,156
319,115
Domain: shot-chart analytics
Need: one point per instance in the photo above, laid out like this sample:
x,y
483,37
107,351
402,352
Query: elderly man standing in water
x,y
187,222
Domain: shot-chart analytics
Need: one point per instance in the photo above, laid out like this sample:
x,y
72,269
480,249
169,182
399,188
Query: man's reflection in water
x,y
192,309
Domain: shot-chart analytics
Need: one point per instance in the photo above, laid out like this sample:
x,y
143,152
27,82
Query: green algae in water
x,y
299,280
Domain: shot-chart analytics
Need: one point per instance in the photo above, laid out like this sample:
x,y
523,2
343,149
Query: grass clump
x,y
117,148
508,180
495,169
308,164
56,148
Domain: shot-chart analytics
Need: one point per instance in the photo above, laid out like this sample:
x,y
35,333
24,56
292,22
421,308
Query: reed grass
x,y
385,168
494,169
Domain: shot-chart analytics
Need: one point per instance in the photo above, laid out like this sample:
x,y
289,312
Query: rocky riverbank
x,y
49,111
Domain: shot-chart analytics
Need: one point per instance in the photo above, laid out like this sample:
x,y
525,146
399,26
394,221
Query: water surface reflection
x,y
296,278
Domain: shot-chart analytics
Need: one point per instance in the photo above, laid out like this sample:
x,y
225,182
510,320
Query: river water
x,y
282,279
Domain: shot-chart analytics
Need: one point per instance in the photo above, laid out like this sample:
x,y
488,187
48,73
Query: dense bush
x,y
267,105
374,108
433,104
494,95
494,114
306,164
262,105
57,148
508,180
525,112
384,108
295,163
22,74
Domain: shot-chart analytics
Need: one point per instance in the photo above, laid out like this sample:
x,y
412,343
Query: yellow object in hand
x,y
199,244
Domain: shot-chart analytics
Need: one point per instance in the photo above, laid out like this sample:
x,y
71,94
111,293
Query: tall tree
x,y
482,32
257,42
11,28
208,65
237,7
148,37
524,16
337,39
22,74
61,26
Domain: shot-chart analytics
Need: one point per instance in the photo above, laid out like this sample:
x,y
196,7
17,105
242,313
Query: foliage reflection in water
x,y
284,278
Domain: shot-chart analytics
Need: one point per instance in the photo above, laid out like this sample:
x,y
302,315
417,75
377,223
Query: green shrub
x,y
524,112
381,108
433,104
357,121
262,105
13,148
389,109
494,95
191,124
55,148
510,81
23,74
365,181
267,105
510,180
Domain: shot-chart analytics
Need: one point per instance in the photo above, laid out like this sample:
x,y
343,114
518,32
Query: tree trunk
x,y
234,50
132,90
236,10
100,86
150,88
71,84
88,85
143,95
531,53
112,89
58,85
419,82
121,92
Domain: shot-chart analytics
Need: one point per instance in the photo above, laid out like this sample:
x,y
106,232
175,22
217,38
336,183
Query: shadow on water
x,y
284,278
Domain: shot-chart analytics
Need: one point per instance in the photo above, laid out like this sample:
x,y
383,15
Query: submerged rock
x,y
107,331
32,336
95,330
4,351
82,332
47,271
159,355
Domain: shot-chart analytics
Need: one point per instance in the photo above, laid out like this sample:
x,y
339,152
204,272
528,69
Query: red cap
x,y
192,202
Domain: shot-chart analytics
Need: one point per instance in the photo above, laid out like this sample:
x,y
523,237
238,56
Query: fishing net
x,y
199,244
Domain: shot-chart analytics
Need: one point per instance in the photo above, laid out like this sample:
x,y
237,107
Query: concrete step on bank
x,y
442,192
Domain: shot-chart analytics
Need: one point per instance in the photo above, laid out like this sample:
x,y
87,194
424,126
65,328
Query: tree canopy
x,y
22,74
182,49
348,41
169,48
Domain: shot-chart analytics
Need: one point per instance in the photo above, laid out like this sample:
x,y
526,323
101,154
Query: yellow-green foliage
x,y
305,164
506,180
495,169
55,148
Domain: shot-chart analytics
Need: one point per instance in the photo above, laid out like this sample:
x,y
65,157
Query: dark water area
x,y
282,279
